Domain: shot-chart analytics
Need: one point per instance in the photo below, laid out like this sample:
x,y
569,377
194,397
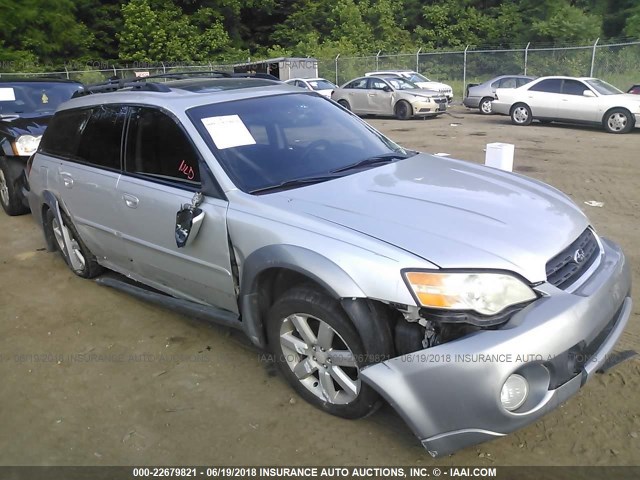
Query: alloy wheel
x,y
617,121
59,236
520,114
320,358
4,189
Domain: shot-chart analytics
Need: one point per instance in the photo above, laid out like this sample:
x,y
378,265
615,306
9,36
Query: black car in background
x,y
26,106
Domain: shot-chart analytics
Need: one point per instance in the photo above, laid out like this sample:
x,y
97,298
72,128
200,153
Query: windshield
x,y
401,84
417,77
34,97
265,142
603,88
321,84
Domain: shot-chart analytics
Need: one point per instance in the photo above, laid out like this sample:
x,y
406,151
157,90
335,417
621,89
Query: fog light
x,y
514,392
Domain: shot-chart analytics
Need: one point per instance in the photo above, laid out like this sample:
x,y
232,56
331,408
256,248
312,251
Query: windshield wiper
x,y
384,158
296,182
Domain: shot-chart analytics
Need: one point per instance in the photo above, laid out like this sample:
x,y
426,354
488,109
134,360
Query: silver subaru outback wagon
x,y
472,300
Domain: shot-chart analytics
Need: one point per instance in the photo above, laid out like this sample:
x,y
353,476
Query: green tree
x,y
44,31
166,33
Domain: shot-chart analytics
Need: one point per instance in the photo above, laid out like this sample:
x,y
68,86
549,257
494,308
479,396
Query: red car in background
x,y
635,90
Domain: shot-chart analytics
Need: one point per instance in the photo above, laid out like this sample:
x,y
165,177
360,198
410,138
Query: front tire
x,y
320,353
485,106
89,267
618,120
10,197
521,114
403,110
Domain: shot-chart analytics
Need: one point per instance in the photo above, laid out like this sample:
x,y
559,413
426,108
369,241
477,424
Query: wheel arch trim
x,y
56,206
318,268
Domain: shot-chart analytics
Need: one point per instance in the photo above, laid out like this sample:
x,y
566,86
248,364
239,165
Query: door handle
x,y
67,179
130,201
372,94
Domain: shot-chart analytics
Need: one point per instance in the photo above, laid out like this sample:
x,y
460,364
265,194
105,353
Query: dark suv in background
x,y
26,106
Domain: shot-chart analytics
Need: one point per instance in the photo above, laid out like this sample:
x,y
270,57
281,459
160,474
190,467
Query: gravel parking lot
x,y
91,376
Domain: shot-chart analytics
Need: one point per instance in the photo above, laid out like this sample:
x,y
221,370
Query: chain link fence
x,y
616,63
97,75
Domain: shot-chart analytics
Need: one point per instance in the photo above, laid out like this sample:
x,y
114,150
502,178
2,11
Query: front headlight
x,y
485,293
26,145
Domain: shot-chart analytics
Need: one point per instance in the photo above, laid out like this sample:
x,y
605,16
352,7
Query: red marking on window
x,y
187,170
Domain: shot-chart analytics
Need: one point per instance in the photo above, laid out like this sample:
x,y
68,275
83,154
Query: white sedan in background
x,y
320,85
580,100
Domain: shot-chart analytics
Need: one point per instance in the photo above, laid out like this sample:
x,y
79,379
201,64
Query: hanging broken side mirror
x,y
188,221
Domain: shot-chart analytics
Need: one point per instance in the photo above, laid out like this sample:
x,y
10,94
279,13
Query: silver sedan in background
x,y
480,96
391,96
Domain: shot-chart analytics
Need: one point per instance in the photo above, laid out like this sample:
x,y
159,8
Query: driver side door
x,y
162,173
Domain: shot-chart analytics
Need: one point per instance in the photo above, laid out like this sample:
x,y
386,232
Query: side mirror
x,y
588,93
188,221
387,89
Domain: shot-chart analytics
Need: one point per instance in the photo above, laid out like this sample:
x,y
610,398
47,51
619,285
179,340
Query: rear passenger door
x,y
357,95
86,165
162,172
543,98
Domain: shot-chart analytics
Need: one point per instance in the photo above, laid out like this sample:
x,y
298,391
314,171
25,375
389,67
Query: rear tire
x,y
344,104
403,110
521,114
485,106
10,197
618,120
320,353
90,267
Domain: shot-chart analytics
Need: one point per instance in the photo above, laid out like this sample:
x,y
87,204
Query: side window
x,y
360,83
101,139
509,82
64,132
496,84
522,81
574,87
552,85
158,148
377,84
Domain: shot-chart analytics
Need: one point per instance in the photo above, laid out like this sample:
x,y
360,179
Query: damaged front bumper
x,y
450,395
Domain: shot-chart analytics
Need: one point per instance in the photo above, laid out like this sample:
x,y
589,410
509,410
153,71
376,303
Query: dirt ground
x,y
90,376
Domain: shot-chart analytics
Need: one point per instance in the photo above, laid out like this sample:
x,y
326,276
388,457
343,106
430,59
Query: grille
x,y
440,100
564,268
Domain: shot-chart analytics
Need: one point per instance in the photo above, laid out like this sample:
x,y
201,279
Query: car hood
x,y
433,85
423,93
452,213
20,124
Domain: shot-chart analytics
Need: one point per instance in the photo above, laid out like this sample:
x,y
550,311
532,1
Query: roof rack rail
x,y
114,85
143,83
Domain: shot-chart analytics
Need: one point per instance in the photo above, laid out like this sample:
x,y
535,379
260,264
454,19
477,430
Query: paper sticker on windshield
x,y
228,131
7,95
